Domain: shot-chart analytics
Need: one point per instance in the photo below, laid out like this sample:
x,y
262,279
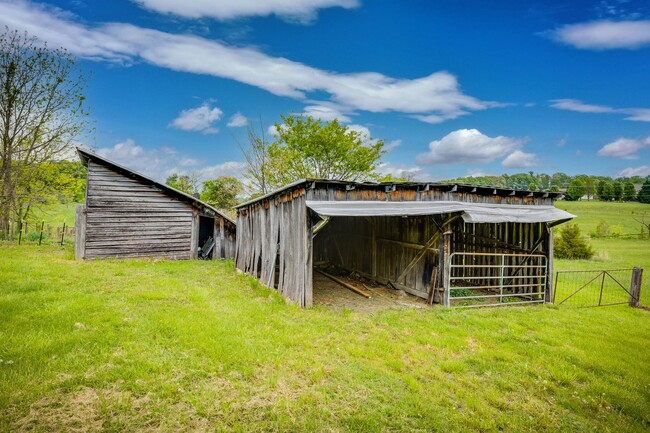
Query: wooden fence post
x,y
635,286
446,270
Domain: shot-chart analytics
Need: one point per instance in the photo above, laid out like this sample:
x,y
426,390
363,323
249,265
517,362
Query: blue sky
x,y
453,88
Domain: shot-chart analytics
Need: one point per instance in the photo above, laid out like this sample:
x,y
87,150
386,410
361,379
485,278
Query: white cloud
x,y
519,159
200,119
325,113
392,145
437,94
297,10
636,114
438,118
642,171
237,120
473,172
604,35
466,146
401,171
579,106
159,163
627,148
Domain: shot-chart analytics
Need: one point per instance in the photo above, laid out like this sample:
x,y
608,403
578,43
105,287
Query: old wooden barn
x,y
454,244
126,214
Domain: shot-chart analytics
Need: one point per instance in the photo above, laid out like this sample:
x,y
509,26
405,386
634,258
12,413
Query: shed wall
x,y
275,233
127,218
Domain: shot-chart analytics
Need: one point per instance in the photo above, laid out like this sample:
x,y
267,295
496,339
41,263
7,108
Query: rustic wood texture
x,y
124,217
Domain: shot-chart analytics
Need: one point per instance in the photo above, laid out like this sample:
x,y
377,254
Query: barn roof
x,y
416,186
86,155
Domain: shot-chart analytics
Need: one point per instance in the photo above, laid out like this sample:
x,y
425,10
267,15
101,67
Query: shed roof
x,y
86,155
417,186
471,212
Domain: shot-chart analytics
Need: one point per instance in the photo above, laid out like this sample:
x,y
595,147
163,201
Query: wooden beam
x,y
419,256
344,284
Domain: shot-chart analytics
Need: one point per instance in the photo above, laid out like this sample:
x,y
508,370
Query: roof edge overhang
x,y
85,156
471,212
418,186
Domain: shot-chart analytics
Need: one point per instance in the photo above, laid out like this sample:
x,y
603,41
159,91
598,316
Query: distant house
x,y
127,214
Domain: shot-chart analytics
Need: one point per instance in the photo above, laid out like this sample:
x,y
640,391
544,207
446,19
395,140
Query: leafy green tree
x,y
576,190
607,193
532,186
617,187
600,189
644,194
41,114
571,245
590,187
222,192
187,183
629,192
554,188
309,148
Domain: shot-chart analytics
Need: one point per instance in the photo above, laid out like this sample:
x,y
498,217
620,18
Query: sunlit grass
x,y
190,345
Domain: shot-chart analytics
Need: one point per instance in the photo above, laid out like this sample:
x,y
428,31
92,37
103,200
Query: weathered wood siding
x,y
274,234
127,218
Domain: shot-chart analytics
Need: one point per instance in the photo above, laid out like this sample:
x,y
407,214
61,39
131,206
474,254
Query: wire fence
x,y
593,288
40,233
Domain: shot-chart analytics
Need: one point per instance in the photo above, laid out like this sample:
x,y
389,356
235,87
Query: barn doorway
x,y
206,238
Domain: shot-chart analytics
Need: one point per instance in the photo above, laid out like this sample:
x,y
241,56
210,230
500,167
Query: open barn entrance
x,y
375,262
206,238
426,259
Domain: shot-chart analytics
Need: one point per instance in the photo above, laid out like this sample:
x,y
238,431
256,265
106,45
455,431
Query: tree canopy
x,y
222,192
187,183
310,148
41,114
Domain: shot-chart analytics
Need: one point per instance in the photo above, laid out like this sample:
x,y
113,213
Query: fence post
x,y
635,286
446,270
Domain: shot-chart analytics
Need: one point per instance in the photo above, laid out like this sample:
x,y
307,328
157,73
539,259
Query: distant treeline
x,y
575,187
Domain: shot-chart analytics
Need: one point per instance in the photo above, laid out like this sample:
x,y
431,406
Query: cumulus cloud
x,y
519,159
401,171
642,171
604,34
468,146
635,114
295,10
237,120
200,119
437,94
160,162
627,148
326,113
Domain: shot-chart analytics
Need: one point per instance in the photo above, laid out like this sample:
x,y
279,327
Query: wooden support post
x,y
194,237
446,269
80,232
635,286
418,256
549,296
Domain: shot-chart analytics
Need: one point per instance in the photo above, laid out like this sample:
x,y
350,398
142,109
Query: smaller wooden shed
x,y
127,214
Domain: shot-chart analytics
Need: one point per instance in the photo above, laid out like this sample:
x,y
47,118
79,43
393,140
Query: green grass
x,y
590,213
55,214
143,345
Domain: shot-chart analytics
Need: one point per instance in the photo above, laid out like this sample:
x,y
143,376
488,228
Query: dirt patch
x,y
331,294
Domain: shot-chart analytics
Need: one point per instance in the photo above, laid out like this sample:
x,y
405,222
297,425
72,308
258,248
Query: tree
x,y
222,192
571,244
187,183
590,187
309,148
257,167
617,187
600,189
607,193
532,186
41,114
576,189
629,193
644,194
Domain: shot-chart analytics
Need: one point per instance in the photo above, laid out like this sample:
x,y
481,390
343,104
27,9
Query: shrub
x,y
571,245
34,236
602,230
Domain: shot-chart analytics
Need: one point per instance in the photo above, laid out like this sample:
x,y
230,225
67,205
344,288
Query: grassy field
x,y
190,346
590,213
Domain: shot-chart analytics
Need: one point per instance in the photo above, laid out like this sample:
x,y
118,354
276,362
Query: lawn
x,y
143,345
